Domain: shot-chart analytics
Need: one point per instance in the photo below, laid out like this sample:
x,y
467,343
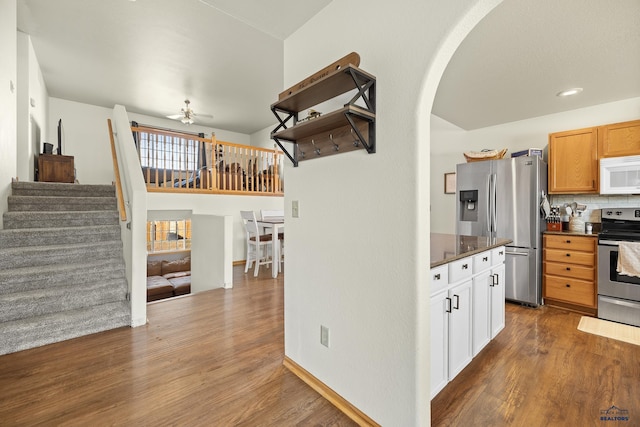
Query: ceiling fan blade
x,y
175,116
203,115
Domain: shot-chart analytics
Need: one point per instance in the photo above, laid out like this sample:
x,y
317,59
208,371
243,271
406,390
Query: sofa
x,y
166,279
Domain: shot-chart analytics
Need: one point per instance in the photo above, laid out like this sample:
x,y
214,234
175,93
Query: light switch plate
x,y
295,209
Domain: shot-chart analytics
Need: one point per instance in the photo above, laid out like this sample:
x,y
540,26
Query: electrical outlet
x,y
295,209
324,336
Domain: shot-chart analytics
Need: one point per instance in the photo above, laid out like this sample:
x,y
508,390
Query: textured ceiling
x,y
151,55
226,56
513,63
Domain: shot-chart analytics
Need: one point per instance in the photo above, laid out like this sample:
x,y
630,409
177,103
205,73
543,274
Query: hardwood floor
x,y
541,371
214,359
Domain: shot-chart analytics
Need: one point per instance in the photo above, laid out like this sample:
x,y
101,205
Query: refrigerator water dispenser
x,y
469,205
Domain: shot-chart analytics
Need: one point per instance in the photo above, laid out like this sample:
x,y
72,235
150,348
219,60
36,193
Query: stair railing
x,y
174,161
116,171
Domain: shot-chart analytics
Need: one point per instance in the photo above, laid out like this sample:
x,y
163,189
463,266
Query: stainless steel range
x,y
618,294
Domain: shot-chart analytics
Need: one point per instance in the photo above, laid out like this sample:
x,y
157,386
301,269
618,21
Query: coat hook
x,y
356,142
316,148
335,146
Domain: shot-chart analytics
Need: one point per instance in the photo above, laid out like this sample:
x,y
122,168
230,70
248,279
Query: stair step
x,y
57,236
60,189
44,255
41,330
49,300
48,219
37,277
58,203
62,270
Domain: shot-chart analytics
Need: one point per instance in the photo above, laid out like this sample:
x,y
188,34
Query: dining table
x,y
277,225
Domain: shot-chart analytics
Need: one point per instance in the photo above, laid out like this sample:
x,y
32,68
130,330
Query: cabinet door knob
x,y
448,309
465,266
568,285
436,277
501,253
568,254
457,306
496,279
568,241
568,268
484,258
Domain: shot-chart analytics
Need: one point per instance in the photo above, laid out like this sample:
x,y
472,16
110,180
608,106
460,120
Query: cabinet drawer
x,y
498,255
460,269
482,262
570,290
439,279
570,270
575,243
570,257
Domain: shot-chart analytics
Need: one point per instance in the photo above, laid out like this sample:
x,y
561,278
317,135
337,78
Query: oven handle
x,y
608,243
631,304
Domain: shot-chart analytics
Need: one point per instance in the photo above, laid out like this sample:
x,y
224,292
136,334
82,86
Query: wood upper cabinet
x,y
619,139
573,162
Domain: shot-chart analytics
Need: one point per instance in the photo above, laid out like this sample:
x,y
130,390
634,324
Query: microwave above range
x,y
620,175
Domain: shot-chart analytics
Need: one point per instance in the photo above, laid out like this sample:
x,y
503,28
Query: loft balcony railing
x,y
172,161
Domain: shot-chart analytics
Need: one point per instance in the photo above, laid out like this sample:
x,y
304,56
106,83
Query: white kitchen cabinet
x,y
497,299
460,353
439,341
467,311
488,297
481,310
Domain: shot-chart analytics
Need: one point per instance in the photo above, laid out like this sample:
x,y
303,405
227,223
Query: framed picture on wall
x,y
450,183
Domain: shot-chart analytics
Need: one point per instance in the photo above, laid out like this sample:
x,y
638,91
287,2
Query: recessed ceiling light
x,y
569,92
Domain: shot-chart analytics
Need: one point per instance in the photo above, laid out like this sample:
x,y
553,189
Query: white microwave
x,y
620,175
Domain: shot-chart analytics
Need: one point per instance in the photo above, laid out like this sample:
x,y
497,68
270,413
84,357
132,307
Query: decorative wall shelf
x,y
349,128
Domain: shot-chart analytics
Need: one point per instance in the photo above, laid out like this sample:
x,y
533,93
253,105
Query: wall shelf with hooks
x,y
349,128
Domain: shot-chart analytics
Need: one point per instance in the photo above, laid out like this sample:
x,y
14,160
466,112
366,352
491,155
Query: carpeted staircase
x,y
62,272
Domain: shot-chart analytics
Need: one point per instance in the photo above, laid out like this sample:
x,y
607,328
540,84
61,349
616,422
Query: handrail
x,y
173,161
116,171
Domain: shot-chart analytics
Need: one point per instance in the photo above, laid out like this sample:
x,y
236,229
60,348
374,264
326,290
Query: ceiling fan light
x,y
187,120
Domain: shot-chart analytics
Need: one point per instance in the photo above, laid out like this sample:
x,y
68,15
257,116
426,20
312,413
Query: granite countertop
x,y
450,247
572,233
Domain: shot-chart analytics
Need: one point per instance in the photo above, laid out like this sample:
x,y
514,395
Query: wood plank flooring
x,y
541,371
214,359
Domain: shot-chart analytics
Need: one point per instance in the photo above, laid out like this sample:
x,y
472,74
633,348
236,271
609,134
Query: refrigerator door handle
x,y
492,202
489,207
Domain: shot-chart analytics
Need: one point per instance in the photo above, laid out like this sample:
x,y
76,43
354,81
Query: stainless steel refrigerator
x,y
501,198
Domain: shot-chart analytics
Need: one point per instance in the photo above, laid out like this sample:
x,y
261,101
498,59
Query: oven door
x,y
611,283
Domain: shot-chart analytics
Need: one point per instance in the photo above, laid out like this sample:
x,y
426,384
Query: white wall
x,y
8,89
449,142
32,107
222,205
86,137
358,256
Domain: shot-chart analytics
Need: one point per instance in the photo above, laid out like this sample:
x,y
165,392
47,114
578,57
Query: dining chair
x,y
265,214
258,244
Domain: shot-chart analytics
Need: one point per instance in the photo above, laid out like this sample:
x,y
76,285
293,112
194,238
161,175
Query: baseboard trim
x,y
338,401
589,311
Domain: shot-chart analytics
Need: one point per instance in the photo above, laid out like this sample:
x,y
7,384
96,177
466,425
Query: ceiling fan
x,y
187,115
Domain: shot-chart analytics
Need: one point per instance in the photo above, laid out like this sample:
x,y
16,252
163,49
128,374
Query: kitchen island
x,y
451,247
467,288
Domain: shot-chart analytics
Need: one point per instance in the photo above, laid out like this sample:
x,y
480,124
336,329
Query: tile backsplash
x,y
595,202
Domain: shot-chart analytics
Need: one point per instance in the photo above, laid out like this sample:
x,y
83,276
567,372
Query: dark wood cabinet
x,y
52,168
